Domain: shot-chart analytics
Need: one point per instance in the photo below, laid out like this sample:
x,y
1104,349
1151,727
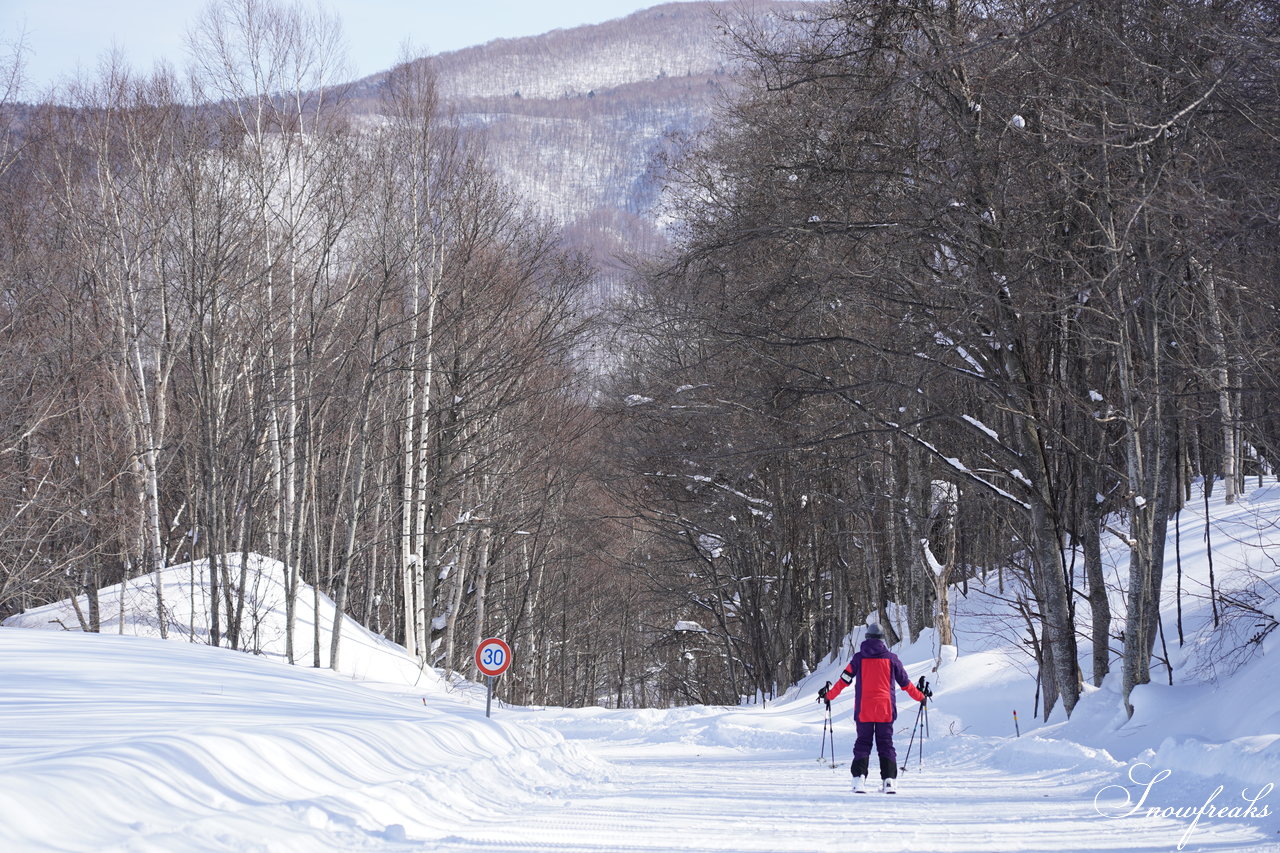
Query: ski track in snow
x,y
661,801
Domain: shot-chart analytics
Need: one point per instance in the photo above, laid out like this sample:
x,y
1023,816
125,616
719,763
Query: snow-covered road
x,y
677,798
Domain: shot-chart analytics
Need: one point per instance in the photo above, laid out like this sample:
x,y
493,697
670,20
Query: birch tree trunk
x,y
1221,380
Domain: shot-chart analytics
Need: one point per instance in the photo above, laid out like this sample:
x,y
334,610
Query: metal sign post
x,y
493,656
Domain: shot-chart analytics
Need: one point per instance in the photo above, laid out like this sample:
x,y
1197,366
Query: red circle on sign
x,y
493,656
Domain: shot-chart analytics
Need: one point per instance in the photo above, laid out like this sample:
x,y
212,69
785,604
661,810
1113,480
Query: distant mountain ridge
x,y
671,40
573,118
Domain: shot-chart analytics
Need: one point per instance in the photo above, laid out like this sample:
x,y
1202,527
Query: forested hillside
x,y
574,119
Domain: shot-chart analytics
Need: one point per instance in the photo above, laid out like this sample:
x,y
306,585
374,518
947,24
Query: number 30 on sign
x,y
493,656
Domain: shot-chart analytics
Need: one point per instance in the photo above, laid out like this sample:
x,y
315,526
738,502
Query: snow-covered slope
x,y
1220,715
668,40
1219,712
572,119
131,608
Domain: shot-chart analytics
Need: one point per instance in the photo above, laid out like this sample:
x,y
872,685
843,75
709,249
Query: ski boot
x,y
859,768
888,776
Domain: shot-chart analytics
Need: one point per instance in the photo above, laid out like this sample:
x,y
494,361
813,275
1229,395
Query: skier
x,y
874,710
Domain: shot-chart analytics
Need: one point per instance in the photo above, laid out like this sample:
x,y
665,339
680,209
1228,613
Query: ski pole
x,y
831,727
822,754
1015,724
906,762
921,714
924,709
828,730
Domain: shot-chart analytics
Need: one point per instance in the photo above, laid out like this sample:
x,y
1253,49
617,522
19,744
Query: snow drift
x,y
131,608
126,742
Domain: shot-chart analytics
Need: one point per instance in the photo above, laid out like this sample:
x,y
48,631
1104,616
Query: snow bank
x,y
131,743
179,745
131,609
1253,760
1034,753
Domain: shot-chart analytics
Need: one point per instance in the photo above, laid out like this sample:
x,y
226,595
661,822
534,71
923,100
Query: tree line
x,y
961,287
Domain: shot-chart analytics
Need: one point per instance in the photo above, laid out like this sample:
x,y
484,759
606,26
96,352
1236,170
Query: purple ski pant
x,y
882,733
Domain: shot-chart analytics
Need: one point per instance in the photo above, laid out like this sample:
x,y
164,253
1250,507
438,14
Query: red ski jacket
x,y
876,669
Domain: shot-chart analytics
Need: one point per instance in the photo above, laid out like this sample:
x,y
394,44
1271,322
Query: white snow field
x,y
132,743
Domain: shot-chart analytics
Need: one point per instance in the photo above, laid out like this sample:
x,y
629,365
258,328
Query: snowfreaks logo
x,y
1117,801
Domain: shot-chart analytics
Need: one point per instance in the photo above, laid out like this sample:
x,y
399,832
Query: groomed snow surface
x,y
133,743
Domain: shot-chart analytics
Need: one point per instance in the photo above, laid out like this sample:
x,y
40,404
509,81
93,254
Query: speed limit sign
x,y
493,656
